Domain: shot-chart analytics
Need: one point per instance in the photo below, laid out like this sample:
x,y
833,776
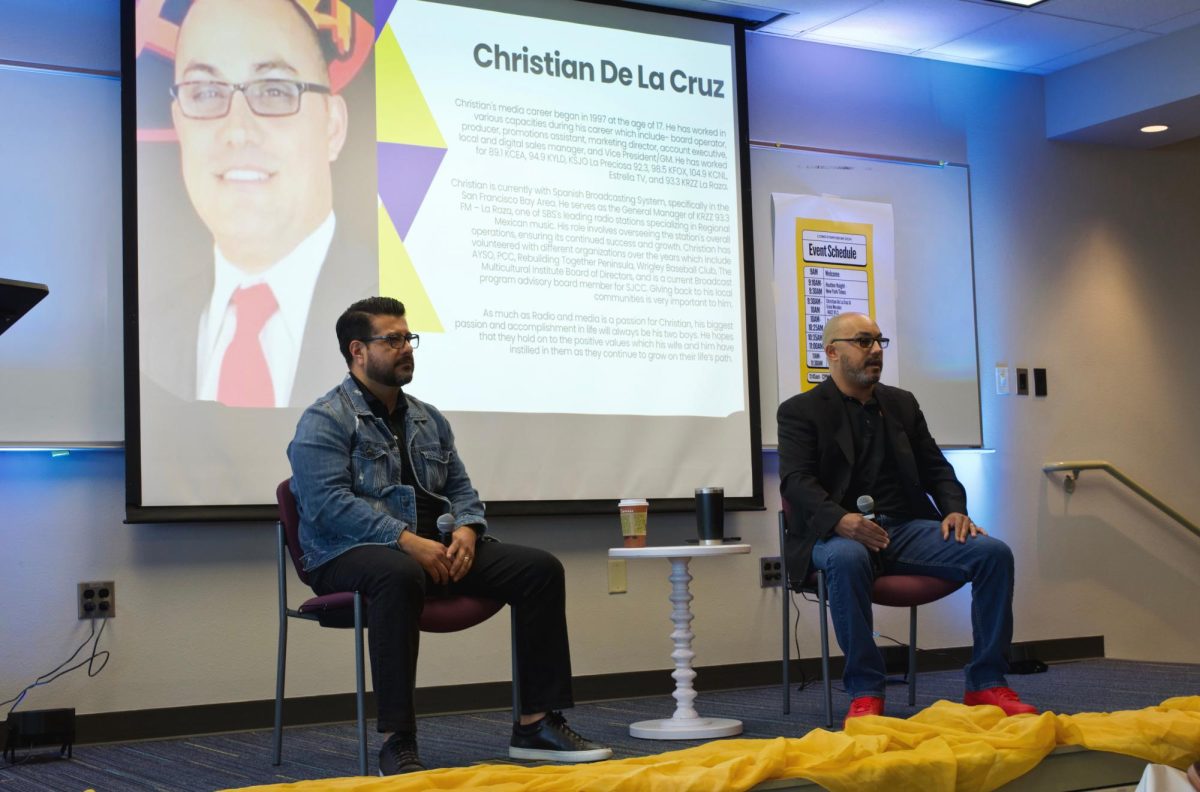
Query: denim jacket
x,y
346,474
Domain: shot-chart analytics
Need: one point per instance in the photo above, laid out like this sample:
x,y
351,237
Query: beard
x,y
860,376
395,375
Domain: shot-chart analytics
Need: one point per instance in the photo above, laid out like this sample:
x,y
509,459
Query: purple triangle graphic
x,y
383,10
405,173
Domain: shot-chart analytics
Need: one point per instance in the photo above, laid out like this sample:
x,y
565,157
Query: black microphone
x,y
445,527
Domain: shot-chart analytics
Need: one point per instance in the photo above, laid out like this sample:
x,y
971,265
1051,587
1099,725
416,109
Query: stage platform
x,y
236,759
1067,769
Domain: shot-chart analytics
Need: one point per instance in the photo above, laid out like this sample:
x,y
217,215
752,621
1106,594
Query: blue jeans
x,y
916,547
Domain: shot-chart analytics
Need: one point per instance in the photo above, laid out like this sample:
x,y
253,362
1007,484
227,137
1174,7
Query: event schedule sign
x,y
832,256
841,281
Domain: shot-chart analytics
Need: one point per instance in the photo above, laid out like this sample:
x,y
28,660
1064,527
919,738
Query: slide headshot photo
x,y
248,249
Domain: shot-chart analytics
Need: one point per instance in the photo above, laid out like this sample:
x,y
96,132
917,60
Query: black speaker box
x,y
40,727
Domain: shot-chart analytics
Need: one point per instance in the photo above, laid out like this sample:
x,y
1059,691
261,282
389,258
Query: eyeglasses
x,y
866,342
396,341
208,99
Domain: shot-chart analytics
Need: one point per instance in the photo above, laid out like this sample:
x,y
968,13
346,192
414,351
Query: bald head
x,y
842,326
855,370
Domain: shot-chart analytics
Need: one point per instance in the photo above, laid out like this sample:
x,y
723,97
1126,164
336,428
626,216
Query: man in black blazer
x,y
853,436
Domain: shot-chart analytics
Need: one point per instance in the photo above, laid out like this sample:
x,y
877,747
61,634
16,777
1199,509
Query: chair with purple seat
x,y
347,609
898,591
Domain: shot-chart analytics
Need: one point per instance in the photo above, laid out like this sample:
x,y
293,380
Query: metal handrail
x,y
1076,468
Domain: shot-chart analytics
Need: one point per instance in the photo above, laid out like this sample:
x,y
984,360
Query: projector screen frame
x,y
136,513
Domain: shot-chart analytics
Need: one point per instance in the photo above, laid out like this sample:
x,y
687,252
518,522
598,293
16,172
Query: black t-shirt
x,y
874,471
429,507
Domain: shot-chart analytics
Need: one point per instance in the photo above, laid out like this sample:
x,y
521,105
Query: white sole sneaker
x,y
565,757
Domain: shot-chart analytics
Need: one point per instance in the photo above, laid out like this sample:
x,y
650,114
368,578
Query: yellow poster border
x,y
803,224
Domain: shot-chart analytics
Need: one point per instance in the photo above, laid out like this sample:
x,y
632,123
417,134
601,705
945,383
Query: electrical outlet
x,y
1039,382
770,572
97,600
617,583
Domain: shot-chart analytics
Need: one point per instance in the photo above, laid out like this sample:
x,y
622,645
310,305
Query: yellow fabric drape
x,y
945,747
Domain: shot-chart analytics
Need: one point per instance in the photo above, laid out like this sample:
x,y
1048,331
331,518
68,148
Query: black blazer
x,y
816,459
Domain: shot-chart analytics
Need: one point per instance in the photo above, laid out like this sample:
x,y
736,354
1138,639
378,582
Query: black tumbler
x,y
710,515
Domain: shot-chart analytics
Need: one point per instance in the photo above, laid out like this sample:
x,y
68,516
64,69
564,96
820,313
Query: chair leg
x,y
787,625
912,656
277,736
516,671
360,684
281,655
822,596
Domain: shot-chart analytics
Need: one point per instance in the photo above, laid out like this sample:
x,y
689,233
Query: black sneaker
x,y
552,740
399,755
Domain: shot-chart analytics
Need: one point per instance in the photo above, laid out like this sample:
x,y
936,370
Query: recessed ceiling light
x,y
1024,3
1155,128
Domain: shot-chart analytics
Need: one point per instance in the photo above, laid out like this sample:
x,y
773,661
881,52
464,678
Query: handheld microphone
x,y
865,504
445,527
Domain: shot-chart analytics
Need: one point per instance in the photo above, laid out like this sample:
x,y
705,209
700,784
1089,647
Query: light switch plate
x,y
1002,379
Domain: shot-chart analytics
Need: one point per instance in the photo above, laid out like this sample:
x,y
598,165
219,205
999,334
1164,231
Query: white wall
x,y
1083,266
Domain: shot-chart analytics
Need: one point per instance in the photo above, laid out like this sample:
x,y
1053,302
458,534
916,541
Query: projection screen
x,y
556,191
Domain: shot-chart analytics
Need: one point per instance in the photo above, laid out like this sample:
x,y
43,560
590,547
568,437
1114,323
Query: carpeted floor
x,y
243,758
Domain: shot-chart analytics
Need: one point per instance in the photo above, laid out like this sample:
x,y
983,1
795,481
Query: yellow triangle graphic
x,y
401,114
398,278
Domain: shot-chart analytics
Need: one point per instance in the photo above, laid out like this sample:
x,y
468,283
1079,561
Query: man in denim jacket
x,y
372,469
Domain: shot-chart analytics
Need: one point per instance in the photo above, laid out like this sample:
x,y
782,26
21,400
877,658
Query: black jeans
x,y
395,585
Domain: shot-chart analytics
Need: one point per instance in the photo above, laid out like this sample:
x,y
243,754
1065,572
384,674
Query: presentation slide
x,y
551,188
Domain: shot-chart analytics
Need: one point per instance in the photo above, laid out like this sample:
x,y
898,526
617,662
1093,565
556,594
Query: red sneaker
x,y
1003,697
864,705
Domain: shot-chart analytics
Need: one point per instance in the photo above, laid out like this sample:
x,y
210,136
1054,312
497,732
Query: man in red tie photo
x,y
259,128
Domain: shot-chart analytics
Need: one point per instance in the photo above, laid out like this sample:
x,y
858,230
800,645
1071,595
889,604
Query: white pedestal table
x,y
685,723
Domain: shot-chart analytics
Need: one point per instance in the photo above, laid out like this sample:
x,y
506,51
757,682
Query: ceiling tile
x,y
1178,23
1088,53
1027,39
1051,36
820,37
908,25
1133,14
808,14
